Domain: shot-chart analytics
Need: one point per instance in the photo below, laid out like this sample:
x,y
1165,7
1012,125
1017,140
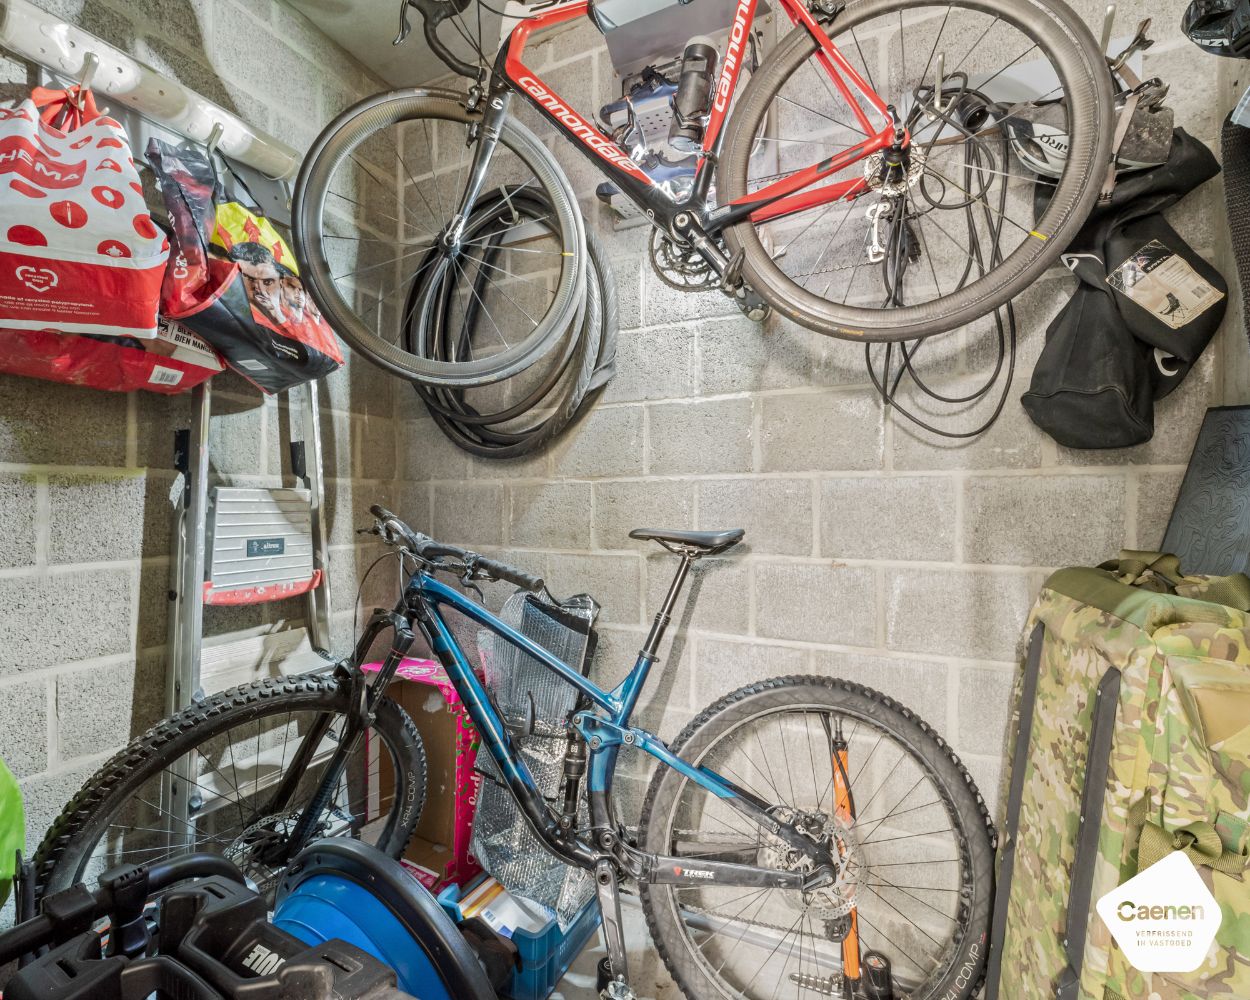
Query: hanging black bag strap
x,y
1097,768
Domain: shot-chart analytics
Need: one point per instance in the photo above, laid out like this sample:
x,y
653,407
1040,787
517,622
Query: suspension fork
x,y
844,809
364,698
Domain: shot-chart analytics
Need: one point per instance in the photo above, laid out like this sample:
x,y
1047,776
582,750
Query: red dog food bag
x,y
171,362
79,253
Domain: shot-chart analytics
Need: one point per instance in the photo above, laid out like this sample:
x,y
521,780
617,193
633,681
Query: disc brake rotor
x,y
245,850
830,902
876,174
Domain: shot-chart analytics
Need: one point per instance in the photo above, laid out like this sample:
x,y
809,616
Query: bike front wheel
x,y
845,764
927,235
391,259
224,759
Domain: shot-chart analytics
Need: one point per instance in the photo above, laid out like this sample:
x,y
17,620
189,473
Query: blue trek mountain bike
x,y
802,837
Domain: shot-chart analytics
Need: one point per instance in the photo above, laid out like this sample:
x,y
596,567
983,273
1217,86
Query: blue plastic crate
x,y
545,954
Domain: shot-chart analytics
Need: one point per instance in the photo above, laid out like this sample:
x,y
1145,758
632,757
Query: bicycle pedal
x,y
830,986
731,280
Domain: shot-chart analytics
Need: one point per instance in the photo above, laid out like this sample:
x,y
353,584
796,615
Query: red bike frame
x,y
795,192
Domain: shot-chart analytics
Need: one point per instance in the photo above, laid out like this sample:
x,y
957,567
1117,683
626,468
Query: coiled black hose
x,y
969,110
568,380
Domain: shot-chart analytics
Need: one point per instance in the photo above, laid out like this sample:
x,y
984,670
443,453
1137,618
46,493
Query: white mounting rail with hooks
x,y
69,51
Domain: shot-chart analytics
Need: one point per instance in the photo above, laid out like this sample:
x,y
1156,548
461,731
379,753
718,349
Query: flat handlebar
x,y
395,532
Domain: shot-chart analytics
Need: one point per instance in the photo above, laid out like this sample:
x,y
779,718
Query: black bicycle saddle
x,y
707,542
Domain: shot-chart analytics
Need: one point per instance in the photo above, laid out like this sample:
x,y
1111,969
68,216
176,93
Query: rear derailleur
x,y
883,217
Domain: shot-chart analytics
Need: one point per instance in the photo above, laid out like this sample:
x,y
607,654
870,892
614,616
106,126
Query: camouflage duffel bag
x,y
1131,739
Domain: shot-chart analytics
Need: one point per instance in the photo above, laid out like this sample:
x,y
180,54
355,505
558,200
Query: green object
x,y
12,829
1200,842
1171,656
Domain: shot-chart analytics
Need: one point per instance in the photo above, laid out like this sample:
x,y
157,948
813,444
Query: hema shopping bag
x,y
79,252
234,281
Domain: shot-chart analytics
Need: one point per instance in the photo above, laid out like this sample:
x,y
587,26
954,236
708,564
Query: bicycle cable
x,y
399,556
899,368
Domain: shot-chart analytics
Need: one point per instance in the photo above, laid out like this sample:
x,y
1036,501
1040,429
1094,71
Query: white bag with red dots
x,y
79,252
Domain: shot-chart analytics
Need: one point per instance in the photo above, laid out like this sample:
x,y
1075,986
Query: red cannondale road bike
x,y
856,166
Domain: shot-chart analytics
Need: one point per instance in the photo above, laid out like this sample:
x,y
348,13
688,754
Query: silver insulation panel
x,y
536,705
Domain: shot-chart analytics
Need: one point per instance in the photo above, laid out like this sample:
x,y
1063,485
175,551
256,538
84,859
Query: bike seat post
x,y
665,615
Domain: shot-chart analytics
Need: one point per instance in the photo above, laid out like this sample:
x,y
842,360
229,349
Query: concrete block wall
x,y
86,476
875,551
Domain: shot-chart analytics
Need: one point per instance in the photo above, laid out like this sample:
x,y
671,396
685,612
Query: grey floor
x,y
647,973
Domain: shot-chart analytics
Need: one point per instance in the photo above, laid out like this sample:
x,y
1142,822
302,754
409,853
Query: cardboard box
x,y
438,853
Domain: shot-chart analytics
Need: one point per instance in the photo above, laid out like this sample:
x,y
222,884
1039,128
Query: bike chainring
x,y
679,266
833,902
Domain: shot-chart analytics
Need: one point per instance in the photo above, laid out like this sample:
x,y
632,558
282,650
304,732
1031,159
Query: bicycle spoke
x,y
1017,178
473,291
937,40
374,267
771,943
353,201
977,44
231,773
500,289
911,895
867,69
819,114
981,199
416,187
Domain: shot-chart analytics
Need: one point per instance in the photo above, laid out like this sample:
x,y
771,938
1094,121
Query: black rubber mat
x,y
1235,143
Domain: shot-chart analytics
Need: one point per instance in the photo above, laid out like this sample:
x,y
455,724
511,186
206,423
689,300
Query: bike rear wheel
x,y
230,753
374,205
955,232
913,836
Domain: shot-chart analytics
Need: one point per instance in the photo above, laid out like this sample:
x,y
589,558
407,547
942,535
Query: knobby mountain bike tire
x,y
68,847
1073,53
762,737
366,333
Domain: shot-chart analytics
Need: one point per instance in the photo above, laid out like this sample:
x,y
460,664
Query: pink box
x,y
438,853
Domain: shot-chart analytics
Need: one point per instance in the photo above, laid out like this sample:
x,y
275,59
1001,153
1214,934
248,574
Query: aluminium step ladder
x,y
235,546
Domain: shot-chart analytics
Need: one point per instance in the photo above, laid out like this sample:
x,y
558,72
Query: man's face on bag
x,y
293,295
264,288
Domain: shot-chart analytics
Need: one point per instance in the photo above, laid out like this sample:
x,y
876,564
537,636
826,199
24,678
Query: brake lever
x,y
467,580
405,29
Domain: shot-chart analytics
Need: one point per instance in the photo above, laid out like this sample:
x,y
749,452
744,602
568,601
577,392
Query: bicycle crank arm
x,y
684,873
613,928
